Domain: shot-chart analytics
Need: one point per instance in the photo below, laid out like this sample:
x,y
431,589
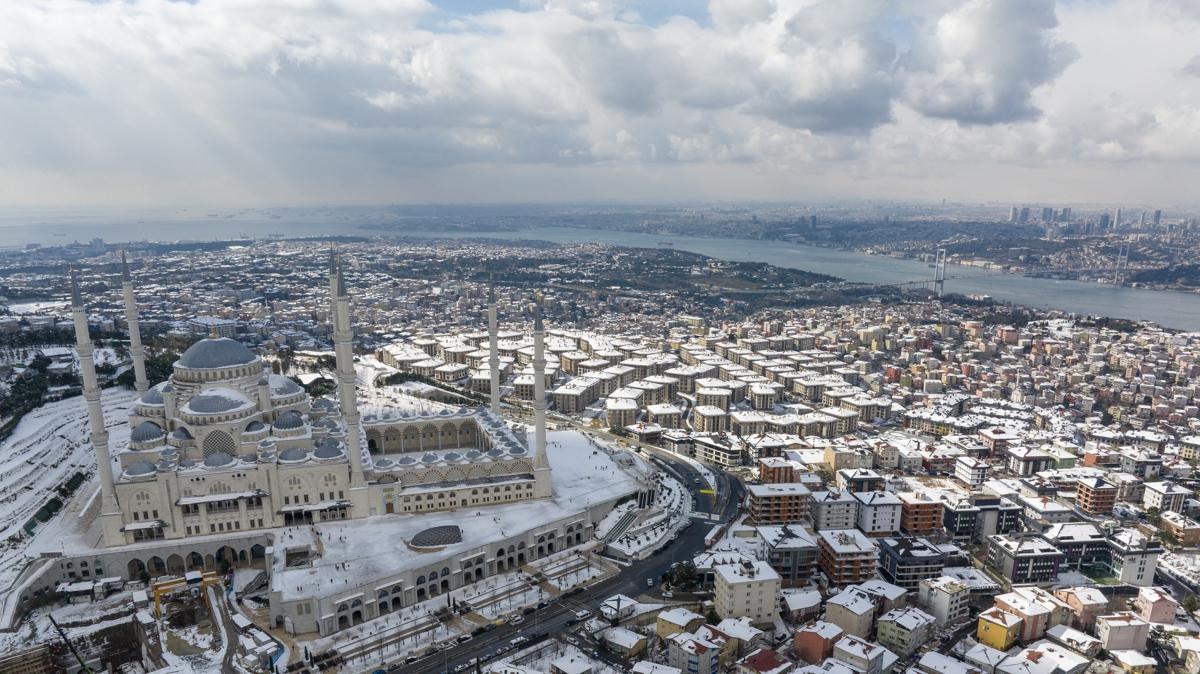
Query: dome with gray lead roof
x,y
384,464
255,426
181,433
328,451
153,396
282,386
406,460
218,352
140,468
147,431
474,454
289,420
452,457
517,451
429,457
495,453
217,460
293,454
216,401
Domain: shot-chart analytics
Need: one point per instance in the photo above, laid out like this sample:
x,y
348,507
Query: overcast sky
x,y
292,102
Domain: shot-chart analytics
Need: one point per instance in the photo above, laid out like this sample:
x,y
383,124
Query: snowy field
x,y
48,446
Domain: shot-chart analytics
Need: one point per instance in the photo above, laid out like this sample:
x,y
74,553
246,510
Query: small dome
x,y
169,454
406,460
153,396
328,423
167,388
474,455
429,457
517,451
139,468
255,426
452,457
495,453
218,459
331,450
267,444
282,386
181,433
289,420
147,431
216,401
293,454
437,537
186,463
384,464
324,404
207,354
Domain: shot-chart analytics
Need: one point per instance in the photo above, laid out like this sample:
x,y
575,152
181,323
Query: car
x,y
411,659
516,620
543,604
570,639
464,638
649,582
668,594
528,609
489,627
445,645
571,621
478,630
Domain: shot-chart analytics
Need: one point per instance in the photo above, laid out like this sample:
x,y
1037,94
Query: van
x,y
582,614
517,641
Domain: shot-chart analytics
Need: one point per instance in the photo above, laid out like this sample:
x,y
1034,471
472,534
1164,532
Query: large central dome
x,y
214,353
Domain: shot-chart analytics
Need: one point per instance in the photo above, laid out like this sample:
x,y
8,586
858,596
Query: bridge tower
x,y
939,273
1122,268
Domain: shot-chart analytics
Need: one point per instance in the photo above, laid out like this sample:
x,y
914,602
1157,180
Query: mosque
x,y
230,464
224,445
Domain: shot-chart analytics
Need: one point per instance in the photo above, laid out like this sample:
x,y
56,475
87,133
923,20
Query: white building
x,y
749,589
1165,496
945,598
878,513
971,471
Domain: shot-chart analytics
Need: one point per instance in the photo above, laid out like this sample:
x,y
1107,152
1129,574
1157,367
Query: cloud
x,y
334,100
980,62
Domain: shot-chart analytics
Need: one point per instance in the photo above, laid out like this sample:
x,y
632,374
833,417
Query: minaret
x,y
91,395
343,333
493,348
135,333
539,389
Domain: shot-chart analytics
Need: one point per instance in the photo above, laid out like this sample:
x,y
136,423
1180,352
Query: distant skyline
x,y
230,103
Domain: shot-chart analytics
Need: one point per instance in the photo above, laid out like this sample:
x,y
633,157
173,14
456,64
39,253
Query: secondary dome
x,y
216,401
217,460
289,420
147,431
153,396
282,386
214,353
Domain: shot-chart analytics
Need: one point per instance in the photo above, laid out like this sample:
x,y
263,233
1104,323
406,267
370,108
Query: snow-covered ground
x,y
669,513
49,445
540,657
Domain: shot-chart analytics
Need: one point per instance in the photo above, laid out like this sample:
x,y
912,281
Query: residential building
x,y
920,514
908,560
1086,603
852,610
780,503
790,550
1123,630
1024,559
1184,530
946,599
1095,496
1155,605
1083,545
814,643
763,661
846,556
997,629
1165,496
859,480
971,471
1045,657
834,509
775,469
1038,610
864,656
903,630
878,513
675,620
749,589
693,654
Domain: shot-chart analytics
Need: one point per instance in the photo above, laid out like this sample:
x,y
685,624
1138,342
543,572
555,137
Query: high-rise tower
x,y
135,334
110,510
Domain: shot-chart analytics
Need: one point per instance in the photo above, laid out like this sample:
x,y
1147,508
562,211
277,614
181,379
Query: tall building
x,y
1024,218
1012,214
1047,214
747,590
1157,217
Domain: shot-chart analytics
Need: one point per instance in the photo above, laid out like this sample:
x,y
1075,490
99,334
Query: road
x,y
631,581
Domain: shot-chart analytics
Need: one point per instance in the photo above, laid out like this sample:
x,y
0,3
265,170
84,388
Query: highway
x,y
553,619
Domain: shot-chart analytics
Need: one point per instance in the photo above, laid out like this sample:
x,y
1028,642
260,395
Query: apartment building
x,y
846,556
781,503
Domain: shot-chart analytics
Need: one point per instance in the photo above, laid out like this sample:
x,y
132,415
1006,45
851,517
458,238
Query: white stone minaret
x,y
110,510
539,390
343,334
493,348
135,333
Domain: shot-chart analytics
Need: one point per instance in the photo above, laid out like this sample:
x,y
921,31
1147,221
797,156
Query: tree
x,y
711,617
1190,603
